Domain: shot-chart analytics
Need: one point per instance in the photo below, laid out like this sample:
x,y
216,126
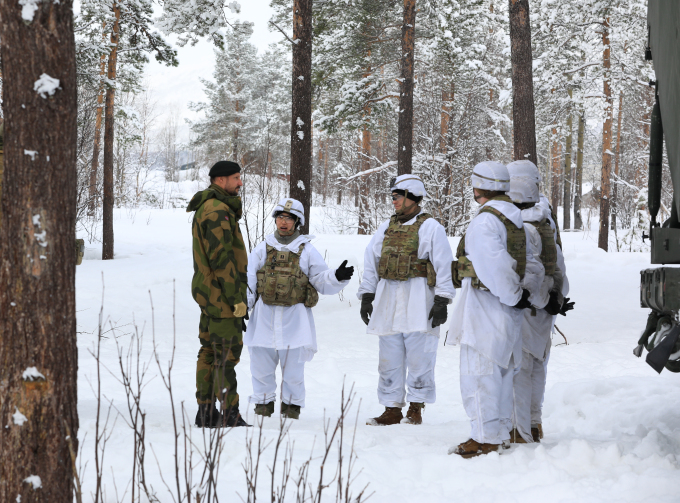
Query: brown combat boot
x,y
472,448
414,414
392,415
537,432
516,438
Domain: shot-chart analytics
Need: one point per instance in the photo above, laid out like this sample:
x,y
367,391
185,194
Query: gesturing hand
x,y
343,273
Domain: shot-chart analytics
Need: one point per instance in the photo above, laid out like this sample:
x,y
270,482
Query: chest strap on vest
x,y
516,246
399,257
281,282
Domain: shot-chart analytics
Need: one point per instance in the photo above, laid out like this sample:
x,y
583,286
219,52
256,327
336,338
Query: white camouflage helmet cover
x,y
412,183
524,180
292,206
490,175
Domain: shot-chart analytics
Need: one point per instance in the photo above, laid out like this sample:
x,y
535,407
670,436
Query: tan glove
x,y
240,310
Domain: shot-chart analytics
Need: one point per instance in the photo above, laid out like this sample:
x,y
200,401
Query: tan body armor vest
x,y
557,237
281,282
399,257
516,244
548,246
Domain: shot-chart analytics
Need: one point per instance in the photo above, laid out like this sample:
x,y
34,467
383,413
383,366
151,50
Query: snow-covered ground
x,y
612,425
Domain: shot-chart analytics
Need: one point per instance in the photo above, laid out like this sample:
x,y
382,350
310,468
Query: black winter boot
x,y
208,416
231,418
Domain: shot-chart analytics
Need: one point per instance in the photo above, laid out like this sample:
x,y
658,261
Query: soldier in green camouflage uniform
x,y
219,287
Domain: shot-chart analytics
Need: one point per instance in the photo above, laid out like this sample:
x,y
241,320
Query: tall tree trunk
x,y
92,192
38,352
301,127
107,223
325,170
523,114
605,182
555,169
578,189
615,189
444,141
566,221
405,139
365,164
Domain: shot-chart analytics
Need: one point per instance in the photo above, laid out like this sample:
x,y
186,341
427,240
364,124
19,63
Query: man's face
x,y
400,202
231,184
285,223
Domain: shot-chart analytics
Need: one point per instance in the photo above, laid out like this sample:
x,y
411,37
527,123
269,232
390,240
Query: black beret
x,y
224,168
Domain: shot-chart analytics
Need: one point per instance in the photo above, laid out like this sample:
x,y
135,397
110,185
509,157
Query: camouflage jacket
x,y
220,260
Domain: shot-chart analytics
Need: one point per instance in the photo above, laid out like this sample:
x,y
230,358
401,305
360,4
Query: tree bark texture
x,y
523,113
555,158
578,186
605,180
301,126
405,138
566,221
617,153
365,164
108,199
92,195
38,352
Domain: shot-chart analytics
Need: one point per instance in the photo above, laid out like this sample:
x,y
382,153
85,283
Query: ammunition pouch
x,y
399,258
281,282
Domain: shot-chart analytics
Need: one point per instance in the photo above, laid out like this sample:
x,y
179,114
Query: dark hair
x,y
525,206
489,194
410,196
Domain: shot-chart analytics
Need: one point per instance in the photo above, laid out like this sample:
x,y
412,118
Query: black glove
x,y
524,301
553,306
243,324
439,312
343,273
566,306
367,306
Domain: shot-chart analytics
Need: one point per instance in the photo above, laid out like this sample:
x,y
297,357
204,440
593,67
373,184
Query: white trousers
x,y
486,389
407,361
528,394
263,362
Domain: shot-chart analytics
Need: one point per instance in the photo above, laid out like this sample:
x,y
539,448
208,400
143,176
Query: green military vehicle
x,y
660,286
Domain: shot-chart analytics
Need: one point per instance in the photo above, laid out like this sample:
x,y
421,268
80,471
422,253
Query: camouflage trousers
x,y
221,345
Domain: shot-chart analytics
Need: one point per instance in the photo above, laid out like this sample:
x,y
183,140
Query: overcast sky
x,y
174,88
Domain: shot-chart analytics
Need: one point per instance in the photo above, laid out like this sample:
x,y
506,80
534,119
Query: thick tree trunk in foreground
x,y
523,114
578,186
605,181
301,127
405,139
108,199
38,353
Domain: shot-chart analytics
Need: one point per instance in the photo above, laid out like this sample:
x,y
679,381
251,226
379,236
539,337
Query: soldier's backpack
x,y
399,257
281,282
516,244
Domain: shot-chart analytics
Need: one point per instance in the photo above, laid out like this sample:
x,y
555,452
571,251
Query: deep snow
x,y
612,425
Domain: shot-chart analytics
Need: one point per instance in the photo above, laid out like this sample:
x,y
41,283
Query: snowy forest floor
x,y
612,425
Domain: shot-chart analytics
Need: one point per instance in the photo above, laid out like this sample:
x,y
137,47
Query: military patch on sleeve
x,y
288,206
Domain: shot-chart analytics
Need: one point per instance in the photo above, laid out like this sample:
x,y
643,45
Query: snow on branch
x,y
585,65
368,171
